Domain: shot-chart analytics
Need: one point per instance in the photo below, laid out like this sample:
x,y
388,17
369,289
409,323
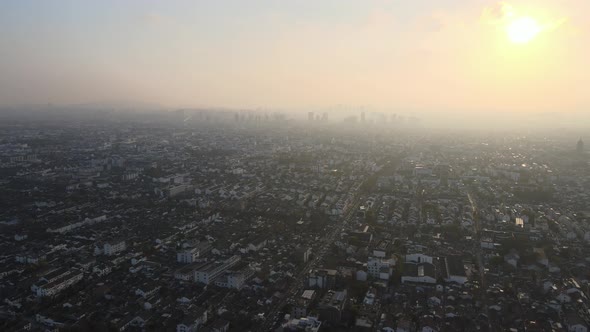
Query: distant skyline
x,y
429,55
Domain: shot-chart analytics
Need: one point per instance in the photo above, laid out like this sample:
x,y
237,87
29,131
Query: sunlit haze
x,y
295,165
435,56
523,30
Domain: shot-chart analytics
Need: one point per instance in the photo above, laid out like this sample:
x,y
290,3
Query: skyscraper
x,y
580,146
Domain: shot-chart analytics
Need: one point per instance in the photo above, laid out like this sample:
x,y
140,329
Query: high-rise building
x,y
580,146
310,116
362,116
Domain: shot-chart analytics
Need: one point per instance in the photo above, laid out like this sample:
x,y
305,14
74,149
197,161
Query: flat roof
x,y
308,294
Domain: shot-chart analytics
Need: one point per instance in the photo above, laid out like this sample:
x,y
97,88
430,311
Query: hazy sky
x,y
395,54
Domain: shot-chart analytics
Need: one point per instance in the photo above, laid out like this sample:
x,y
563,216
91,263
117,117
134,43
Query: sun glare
x,y
522,30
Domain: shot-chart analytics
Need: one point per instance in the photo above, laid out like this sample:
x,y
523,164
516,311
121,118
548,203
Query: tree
x,y
496,261
452,233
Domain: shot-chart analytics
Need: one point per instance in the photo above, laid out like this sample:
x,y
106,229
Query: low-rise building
x,y
332,305
380,268
301,306
110,248
419,273
454,270
58,284
323,278
193,320
207,273
192,254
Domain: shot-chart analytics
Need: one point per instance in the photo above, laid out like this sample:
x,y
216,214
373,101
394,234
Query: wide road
x,y
298,283
479,256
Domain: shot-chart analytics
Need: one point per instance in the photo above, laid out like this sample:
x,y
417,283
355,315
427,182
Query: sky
x,y
434,55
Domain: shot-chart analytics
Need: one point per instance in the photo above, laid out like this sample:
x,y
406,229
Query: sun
x,y
522,30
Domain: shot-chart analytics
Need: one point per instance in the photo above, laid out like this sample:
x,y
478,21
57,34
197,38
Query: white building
x,y
418,258
191,255
101,270
380,268
59,284
187,256
147,290
233,279
208,272
257,244
419,273
29,258
69,227
311,324
110,248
